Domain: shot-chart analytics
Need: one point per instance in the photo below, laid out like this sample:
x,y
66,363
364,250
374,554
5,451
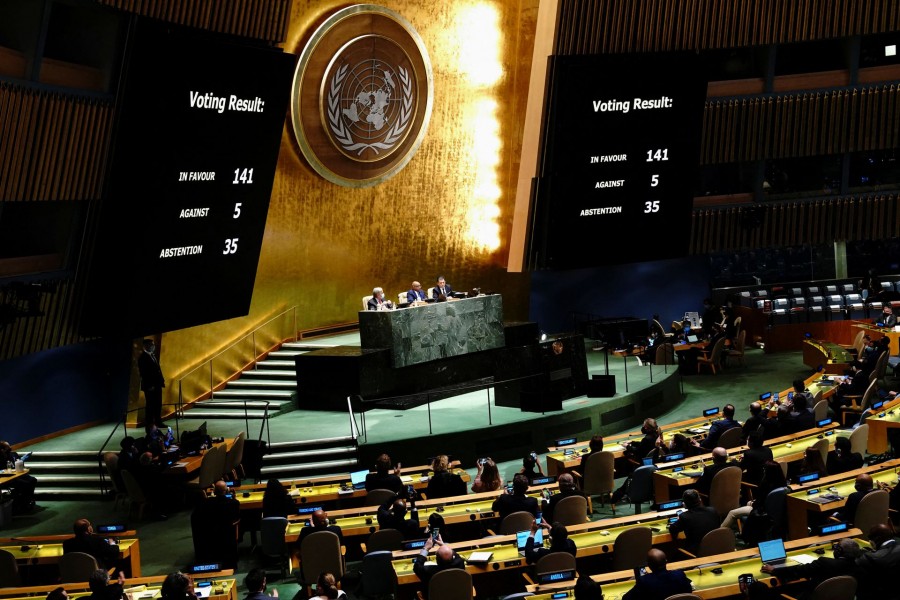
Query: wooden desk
x,y
785,449
880,423
250,497
591,539
833,357
46,550
800,504
707,584
879,332
7,476
190,464
224,587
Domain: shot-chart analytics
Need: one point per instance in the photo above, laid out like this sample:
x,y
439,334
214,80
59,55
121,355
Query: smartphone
x,y
638,571
537,519
411,491
435,533
745,580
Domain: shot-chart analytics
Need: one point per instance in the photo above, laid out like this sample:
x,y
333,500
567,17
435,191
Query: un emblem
x,y
362,96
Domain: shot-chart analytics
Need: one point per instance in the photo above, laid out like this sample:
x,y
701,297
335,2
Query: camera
x,y
533,455
481,461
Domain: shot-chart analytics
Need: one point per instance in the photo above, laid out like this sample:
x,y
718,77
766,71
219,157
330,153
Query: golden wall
x,y
448,212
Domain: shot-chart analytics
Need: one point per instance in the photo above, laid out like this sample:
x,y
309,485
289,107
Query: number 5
x,y
654,180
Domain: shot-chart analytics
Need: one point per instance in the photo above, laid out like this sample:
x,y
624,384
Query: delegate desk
x,y
834,358
592,539
831,495
685,473
434,331
879,425
222,586
328,490
47,550
565,458
887,332
190,464
707,584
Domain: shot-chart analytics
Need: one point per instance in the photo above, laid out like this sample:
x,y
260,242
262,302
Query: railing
x,y
243,353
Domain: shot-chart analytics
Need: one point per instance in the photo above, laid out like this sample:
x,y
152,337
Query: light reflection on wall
x,y
477,33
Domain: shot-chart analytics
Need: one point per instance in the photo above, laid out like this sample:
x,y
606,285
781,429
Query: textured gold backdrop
x,y
327,246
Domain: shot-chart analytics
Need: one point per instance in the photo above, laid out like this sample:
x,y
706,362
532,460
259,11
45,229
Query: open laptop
x,y
522,537
692,339
358,480
771,552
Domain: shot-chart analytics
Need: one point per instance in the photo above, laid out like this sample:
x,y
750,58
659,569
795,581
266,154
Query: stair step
x,y
270,374
200,413
283,394
279,456
306,467
285,353
345,439
238,405
51,491
37,465
276,364
256,382
69,478
309,347
60,454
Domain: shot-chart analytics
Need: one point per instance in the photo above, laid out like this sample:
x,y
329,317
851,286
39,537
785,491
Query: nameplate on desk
x,y
834,528
765,396
305,510
566,441
807,478
669,505
118,528
878,405
204,568
709,412
673,457
555,576
823,422
543,480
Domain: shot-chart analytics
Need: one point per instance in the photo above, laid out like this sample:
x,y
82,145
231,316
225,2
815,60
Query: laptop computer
x,y
522,537
692,339
358,480
771,552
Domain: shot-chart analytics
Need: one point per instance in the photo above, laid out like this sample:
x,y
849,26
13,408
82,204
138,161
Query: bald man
x,y
863,486
445,558
876,568
566,488
845,552
320,522
719,462
659,583
85,541
416,293
213,525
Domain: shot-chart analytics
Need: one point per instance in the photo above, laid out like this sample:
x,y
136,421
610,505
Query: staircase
x,y
65,475
272,383
310,458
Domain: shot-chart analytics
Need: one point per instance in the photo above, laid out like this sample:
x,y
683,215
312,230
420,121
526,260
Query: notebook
x,y
522,537
771,552
358,479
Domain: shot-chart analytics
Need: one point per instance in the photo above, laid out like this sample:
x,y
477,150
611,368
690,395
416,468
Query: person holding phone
x,y
659,583
488,477
559,541
445,558
385,477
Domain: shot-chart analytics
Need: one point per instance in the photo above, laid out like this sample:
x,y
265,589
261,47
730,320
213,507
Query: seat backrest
x,y
9,570
665,354
641,487
822,447
365,301
76,567
599,475
739,342
402,297
859,439
872,510
517,521
717,350
631,547
841,587
235,454
717,541
820,410
271,532
377,576
555,561
571,510
725,490
133,488
450,584
384,539
111,461
871,394
378,496
212,465
320,551
776,508
731,438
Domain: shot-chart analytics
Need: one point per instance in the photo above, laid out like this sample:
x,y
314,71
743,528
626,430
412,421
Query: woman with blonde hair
x,y
444,482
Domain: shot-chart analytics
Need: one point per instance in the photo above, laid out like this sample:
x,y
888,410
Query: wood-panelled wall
x,y
608,26
258,19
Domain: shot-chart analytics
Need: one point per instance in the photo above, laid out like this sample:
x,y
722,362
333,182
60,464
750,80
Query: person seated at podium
x,y
442,289
377,301
416,294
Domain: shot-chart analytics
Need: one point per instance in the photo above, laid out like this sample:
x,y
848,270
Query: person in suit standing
x,y
415,294
442,289
152,384
659,583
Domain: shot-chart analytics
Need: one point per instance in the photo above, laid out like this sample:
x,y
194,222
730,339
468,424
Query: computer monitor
x,y
771,552
358,479
522,537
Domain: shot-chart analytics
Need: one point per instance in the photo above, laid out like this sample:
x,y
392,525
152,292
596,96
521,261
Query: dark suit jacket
x,y
447,291
151,374
716,430
106,554
112,591
659,585
848,511
835,464
385,481
550,504
874,583
817,571
533,553
695,523
413,295
387,519
258,596
752,423
306,531
506,504
888,320
373,303
425,572
753,463
444,485
705,481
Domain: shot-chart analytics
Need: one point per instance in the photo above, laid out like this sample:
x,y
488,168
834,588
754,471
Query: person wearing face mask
x,y
377,301
888,318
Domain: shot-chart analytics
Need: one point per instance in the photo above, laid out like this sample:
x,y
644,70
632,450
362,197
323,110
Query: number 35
x,y
651,207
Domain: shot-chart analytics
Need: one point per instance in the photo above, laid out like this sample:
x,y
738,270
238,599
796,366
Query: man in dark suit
x,y
255,582
85,541
846,551
863,486
320,522
214,524
566,488
559,542
754,421
383,478
416,293
445,558
152,384
754,459
719,462
659,583
888,318
377,301
392,515
508,503
695,522
875,568
719,427
802,416
442,289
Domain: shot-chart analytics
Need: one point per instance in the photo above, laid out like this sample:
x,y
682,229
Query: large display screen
x,y
618,161
198,130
